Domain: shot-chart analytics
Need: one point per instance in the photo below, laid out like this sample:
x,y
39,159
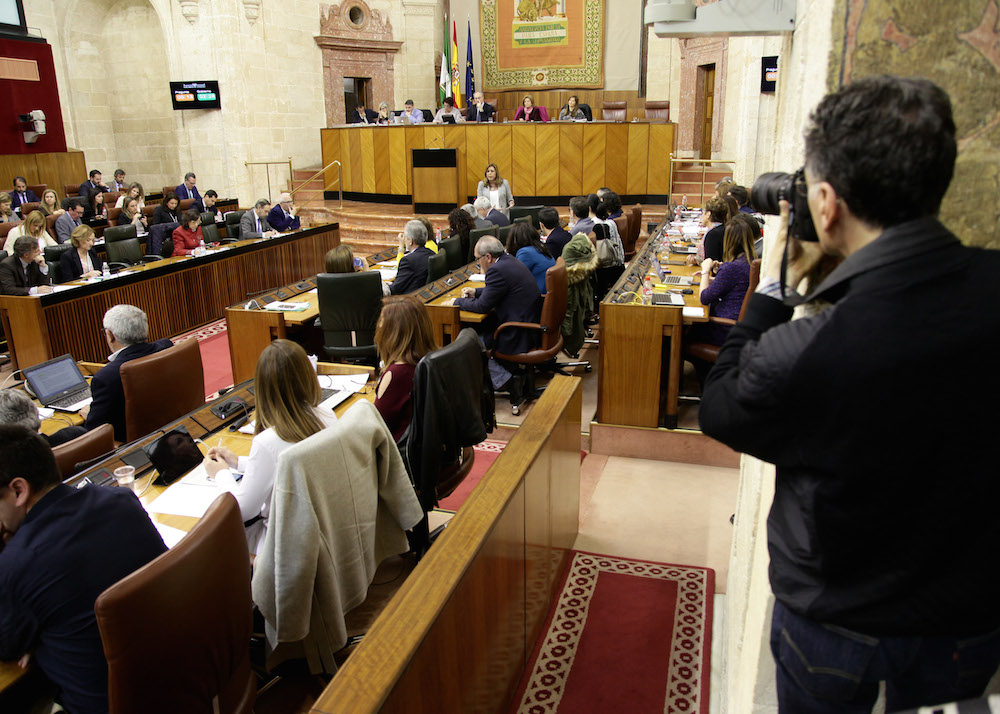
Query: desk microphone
x,y
239,422
436,138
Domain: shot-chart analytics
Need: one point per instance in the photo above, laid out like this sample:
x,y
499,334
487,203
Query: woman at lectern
x,y
496,189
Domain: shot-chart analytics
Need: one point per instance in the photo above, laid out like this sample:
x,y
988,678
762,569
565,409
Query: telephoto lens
x,y
770,188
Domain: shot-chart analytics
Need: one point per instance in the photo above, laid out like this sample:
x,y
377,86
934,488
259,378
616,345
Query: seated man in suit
x,y
490,215
70,220
93,183
282,217
479,110
511,294
126,330
416,115
118,183
209,200
61,548
25,272
17,408
254,223
554,235
412,272
361,115
188,189
583,222
21,194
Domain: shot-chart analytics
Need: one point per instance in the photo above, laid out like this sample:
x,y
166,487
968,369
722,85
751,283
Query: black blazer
x,y
474,115
86,187
412,272
497,218
511,292
71,265
164,215
557,240
15,198
14,281
355,117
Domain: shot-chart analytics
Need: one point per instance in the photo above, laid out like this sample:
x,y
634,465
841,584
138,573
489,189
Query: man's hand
x,y
402,241
85,412
448,303
510,203
291,211
803,256
43,290
468,292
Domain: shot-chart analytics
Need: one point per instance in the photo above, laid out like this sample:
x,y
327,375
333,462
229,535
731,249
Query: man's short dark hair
x,y
548,217
741,194
261,202
75,203
449,101
580,206
25,453
210,193
119,172
94,172
23,245
408,101
19,178
886,145
189,174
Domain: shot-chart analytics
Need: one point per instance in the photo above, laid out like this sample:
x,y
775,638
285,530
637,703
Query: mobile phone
x,y
359,262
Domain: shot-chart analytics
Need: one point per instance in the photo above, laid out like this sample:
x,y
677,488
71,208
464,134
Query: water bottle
x,y
647,290
105,271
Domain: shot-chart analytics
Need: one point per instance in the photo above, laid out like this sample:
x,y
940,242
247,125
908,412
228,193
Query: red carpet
x,y
486,453
623,635
213,341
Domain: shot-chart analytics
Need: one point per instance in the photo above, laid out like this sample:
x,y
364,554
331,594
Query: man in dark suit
x,y
553,234
94,182
16,407
188,190
62,547
412,272
362,115
254,223
126,330
25,272
490,215
511,294
21,194
282,216
479,110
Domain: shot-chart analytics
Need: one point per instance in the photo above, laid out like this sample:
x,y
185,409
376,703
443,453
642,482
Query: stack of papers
x,y
387,274
191,496
477,278
286,306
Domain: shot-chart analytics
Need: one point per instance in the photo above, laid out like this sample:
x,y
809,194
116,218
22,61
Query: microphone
x,y
436,138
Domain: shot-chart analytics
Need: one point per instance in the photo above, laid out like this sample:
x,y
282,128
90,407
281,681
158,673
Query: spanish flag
x,y
456,82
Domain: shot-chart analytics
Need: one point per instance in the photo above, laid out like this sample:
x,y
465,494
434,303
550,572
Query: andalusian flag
x,y
444,85
456,78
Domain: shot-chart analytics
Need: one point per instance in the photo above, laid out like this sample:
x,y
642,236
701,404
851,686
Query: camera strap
x,y
791,298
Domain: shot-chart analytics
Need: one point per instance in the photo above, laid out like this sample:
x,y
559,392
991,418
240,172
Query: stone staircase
x,y
306,189
688,181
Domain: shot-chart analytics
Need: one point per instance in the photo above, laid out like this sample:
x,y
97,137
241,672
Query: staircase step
x,y
303,174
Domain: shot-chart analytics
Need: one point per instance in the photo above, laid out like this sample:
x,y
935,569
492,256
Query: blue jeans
x,y
828,669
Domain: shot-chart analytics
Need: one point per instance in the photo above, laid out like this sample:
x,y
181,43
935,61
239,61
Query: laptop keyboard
x,y
70,399
675,280
325,393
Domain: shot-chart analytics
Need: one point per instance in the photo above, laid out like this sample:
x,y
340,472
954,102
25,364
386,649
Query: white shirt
x,y
495,199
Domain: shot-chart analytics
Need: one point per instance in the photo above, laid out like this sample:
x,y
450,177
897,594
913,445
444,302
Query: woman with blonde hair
x,y
34,226
403,336
287,394
50,203
7,214
134,191
83,261
496,189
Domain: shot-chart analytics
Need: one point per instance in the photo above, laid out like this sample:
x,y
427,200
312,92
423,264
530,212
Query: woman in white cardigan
x,y
496,189
287,394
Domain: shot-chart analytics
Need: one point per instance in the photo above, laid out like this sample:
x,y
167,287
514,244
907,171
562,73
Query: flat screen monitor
x,y
12,17
195,95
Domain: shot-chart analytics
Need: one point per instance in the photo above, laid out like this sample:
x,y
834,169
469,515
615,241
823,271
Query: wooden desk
x,y
177,294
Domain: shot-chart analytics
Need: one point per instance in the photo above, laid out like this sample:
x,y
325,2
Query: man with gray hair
x,y
126,331
282,217
473,210
17,408
412,272
511,295
25,272
254,223
490,215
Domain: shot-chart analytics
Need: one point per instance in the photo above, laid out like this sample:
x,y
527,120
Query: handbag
x,y
606,257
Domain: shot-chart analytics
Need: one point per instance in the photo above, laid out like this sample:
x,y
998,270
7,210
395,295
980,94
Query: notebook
x,y
59,384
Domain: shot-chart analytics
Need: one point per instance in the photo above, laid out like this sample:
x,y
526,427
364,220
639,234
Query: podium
x,y
434,179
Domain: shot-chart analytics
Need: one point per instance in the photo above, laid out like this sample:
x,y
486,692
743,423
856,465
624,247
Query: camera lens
x,y
770,188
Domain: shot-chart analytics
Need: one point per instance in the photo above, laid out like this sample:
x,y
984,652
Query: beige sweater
x,y
342,503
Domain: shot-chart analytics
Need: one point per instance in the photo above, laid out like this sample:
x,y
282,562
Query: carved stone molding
x,y
189,9
251,9
698,52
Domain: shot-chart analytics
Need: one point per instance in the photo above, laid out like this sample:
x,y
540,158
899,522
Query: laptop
x,y
331,398
59,384
447,119
670,279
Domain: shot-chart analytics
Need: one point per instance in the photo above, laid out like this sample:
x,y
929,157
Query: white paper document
x,y
184,499
694,312
477,278
171,536
387,274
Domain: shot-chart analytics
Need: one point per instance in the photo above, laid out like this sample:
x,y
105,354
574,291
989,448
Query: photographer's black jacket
x,y
881,415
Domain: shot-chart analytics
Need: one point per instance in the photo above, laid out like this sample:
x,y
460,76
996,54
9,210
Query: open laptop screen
x,y
55,378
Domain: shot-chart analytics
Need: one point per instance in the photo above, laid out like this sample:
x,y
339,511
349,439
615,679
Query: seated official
x,y
33,227
169,211
131,215
572,111
188,189
134,191
523,243
82,261
209,200
416,116
25,272
21,193
489,215
61,548
403,336
254,225
383,115
91,184
412,271
448,110
7,214
613,202
287,395
581,220
496,189
713,218
724,285
70,220
282,216
118,182
528,111
511,294
553,234
16,407
126,330
459,224
479,110
187,236
50,203
361,115
95,207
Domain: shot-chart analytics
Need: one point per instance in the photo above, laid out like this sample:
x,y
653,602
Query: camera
x,y
772,187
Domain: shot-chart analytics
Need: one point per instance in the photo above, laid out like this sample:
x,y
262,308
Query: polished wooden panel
x,y
570,159
357,159
55,169
638,157
433,135
399,171
383,183
455,139
616,167
594,157
661,138
500,148
250,331
330,143
522,178
414,140
455,636
346,139
507,103
438,184
25,328
547,160
477,148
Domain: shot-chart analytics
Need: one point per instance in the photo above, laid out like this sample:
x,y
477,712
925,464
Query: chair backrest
x,y
176,632
234,230
162,387
50,226
437,266
124,251
554,306
503,232
71,189
30,206
233,217
521,219
111,198
587,111
474,235
210,233
754,281
452,248
428,115
6,228
349,306
148,210
658,110
184,205
38,188
637,226
85,447
53,254
613,111
112,234
517,212
113,215
169,189
623,229
159,236
207,219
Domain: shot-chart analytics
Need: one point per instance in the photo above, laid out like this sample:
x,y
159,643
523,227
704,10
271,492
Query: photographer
x,y
883,525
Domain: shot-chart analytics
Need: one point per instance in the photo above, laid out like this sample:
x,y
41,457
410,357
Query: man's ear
x,y
829,206
21,489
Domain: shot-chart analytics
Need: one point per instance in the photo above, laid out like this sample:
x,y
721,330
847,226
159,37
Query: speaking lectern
x,y
435,180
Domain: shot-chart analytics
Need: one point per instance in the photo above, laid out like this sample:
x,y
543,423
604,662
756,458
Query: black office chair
x,y
504,232
234,230
518,212
53,254
437,266
207,219
349,306
452,248
126,253
117,233
587,111
428,115
210,233
233,224
474,235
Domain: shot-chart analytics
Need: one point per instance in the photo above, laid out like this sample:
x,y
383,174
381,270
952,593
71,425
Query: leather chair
x,y
233,224
70,189
27,208
50,226
113,234
658,110
111,198
148,210
125,253
176,632
452,248
185,204
210,233
437,266
84,448
52,255
613,111
349,306
503,232
530,211
474,235
113,216
521,219
708,352
207,219
622,223
162,387
39,188
549,324
636,214
169,189
7,227
587,111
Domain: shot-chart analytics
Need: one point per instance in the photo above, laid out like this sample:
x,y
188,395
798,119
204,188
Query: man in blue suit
x,y
90,184
282,216
189,190
21,194
126,330
511,295
487,213
412,272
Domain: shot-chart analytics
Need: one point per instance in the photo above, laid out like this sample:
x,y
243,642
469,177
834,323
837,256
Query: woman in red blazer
x,y
187,236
